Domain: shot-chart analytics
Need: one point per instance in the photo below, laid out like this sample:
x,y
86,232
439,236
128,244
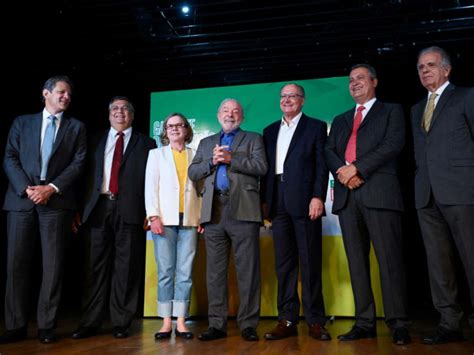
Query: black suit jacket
x,y
380,139
131,177
305,171
22,162
445,155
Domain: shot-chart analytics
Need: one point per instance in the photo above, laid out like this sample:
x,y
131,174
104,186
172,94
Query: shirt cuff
x,y
54,187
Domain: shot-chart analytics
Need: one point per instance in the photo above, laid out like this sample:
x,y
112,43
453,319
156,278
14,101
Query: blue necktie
x,y
47,146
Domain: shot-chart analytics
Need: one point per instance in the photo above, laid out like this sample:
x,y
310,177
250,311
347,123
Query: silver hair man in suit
x,y
44,157
443,137
361,152
229,164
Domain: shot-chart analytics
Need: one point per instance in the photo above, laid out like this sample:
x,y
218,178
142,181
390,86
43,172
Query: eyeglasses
x,y
170,126
290,96
120,108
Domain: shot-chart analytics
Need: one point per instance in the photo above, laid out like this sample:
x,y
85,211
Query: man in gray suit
x,y
361,153
44,157
229,164
443,136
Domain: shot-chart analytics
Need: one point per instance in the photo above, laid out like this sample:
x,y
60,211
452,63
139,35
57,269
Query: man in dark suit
x,y
44,157
443,134
229,164
114,213
361,153
294,191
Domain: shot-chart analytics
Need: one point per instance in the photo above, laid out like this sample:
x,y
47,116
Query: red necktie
x,y
352,144
114,173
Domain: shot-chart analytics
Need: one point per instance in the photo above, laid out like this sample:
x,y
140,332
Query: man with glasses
x,y
443,137
293,191
113,217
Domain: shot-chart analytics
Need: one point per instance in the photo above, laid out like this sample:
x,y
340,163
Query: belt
x,y
109,196
279,177
221,192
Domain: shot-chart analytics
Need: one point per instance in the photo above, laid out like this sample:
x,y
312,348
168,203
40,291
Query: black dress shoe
x,y
14,335
47,336
401,336
84,332
162,335
120,332
184,335
249,334
442,336
212,334
358,333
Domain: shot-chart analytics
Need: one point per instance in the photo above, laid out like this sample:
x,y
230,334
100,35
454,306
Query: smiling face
x,y
362,85
120,115
230,115
431,71
176,130
291,101
58,99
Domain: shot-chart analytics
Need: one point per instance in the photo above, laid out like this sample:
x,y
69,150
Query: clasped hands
x,y
347,175
221,155
40,194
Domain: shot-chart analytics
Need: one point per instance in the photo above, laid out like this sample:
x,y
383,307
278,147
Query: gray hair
x,y
445,58
228,100
122,98
371,69
299,87
50,84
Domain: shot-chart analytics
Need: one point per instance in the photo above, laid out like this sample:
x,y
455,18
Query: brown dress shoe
x,y
284,329
318,332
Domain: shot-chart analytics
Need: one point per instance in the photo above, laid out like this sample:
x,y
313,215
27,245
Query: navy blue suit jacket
x,y
131,176
305,171
380,138
445,155
22,162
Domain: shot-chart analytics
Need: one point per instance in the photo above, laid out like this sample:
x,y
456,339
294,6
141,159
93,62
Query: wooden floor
x,y
141,341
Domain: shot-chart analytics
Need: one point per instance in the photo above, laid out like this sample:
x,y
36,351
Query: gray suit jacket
x,y
445,155
380,139
22,162
248,163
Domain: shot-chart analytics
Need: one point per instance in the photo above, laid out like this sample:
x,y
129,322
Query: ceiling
x,y
234,42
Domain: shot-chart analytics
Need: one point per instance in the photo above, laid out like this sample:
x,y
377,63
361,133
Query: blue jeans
x,y
174,255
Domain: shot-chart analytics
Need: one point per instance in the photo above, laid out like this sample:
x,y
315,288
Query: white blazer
x,y
162,189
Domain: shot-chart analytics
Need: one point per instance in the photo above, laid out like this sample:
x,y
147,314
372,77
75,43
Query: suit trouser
x,y
445,228
54,228
297,242
114,251
360,225
223,232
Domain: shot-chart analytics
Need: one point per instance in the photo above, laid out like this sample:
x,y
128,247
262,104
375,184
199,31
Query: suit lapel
x,y
36,140
237,140
299,132
447,93
376,107
131,143
64,126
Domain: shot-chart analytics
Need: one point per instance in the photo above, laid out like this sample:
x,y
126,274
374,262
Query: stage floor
x,y
141,341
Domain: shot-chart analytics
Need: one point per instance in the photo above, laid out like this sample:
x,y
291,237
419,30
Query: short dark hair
x,y
371,69
50,84
300,88
164,136
445,58
123,98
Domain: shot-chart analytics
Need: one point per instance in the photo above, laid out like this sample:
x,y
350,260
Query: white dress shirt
x,y
285,134
109,155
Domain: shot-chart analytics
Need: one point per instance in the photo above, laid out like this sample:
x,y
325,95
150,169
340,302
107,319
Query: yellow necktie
x,y
428,115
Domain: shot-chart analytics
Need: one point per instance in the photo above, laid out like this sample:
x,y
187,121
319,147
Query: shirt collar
x,y
231,133
293,122
440,90
58,116
113,132
368,105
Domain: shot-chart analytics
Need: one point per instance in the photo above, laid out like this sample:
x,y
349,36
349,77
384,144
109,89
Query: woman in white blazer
x,y
173,210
